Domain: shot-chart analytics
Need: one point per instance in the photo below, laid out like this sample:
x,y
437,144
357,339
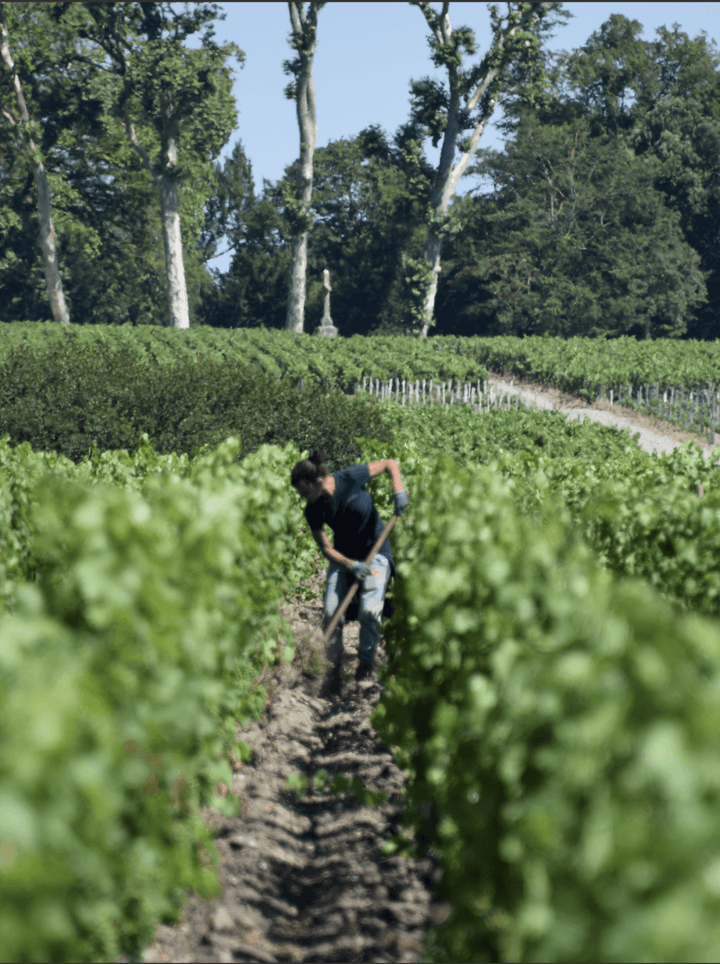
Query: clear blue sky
x,y
366,55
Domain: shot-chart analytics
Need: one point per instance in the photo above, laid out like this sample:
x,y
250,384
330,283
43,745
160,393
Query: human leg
x,y
335,589
372,597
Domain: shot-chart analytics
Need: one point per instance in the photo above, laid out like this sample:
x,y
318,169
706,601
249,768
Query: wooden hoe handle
x,y
332,626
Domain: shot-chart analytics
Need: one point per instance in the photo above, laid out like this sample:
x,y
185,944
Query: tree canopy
x,y
600,215
84,67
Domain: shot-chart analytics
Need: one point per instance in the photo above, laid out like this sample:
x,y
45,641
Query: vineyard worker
x,y
342,502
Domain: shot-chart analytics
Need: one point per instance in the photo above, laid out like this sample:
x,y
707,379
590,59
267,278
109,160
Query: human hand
x,y
401,501
360,571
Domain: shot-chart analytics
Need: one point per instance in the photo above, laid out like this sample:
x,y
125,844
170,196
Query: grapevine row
x,y
332,363
678,381
639,512
140,599
559,729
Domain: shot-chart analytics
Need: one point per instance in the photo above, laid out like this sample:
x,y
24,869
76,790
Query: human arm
x,y
330,553
391,467
400,496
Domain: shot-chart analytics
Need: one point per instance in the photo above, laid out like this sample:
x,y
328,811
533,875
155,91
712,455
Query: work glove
x,y
401,501
360,571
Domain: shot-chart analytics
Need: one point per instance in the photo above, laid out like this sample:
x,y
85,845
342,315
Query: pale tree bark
x,y
47,238
170,213
447,175
304,31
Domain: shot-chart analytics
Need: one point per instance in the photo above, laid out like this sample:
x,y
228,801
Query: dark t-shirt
x,y
351,514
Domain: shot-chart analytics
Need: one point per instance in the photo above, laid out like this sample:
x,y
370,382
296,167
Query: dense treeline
x,y
605,210
600,216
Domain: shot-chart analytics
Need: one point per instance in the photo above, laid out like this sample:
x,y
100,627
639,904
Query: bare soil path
x,y
305,881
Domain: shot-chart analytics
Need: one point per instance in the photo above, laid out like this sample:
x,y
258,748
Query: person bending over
x,y
342,502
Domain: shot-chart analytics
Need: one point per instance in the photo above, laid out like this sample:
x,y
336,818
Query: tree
x,y
302,90
678,138
368,204
173,88
635,154
663,97
105,227
367,208
680,146
252,292
613,76
229,205
106,210
22,125
577,241
467,103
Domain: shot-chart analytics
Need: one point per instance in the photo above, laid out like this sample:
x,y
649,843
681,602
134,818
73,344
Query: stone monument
x,y
326,326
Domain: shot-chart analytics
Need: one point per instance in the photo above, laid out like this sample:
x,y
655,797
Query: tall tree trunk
x,y
304,31
447,176
295,317
174,265
443,188
47,235
170,208
58,306
433,244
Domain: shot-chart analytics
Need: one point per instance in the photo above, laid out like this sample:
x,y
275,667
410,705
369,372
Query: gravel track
x,y
305,881
655,434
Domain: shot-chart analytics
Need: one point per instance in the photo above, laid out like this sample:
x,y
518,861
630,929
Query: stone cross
x,y
326,326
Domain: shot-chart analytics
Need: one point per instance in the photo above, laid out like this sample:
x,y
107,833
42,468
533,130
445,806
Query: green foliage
x,y
466,102
297,212
418,277
557,722
624,240
679,140
591,367
558,729
106,392
575,241
643,518
230,203
60,89
558,245
640,513
147,608
302,40
472,439
106,209
366,213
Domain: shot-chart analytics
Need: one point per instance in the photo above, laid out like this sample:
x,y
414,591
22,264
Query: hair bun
x,y
317,457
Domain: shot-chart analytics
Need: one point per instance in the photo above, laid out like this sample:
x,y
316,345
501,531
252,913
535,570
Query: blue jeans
x,y
372,597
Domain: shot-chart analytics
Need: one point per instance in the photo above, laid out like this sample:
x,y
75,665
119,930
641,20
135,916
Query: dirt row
x,y
305,881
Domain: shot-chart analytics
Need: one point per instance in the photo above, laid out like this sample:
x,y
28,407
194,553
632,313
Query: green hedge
x,y
66,399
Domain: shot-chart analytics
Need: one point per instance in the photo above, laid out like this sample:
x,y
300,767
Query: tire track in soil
x,y
305,881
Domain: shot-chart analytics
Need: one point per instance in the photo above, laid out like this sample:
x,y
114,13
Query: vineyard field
x,y
676,380
552,678
558,725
